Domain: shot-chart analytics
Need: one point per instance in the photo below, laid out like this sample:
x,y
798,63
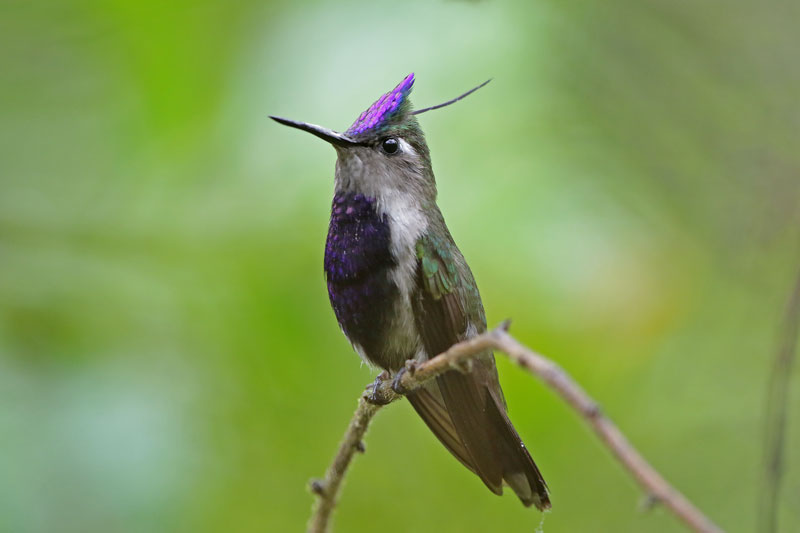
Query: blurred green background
x,y
627,190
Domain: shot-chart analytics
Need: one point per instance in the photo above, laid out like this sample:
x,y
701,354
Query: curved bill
x,y
331,136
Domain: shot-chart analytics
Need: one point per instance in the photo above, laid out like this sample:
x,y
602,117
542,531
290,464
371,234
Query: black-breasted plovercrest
x,y
401,289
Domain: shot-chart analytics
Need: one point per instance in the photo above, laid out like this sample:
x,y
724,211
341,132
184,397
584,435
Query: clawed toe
x,y
397,382
379,379
374,396
397,386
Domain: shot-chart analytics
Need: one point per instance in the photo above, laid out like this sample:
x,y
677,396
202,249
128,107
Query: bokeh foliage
x,y
627,189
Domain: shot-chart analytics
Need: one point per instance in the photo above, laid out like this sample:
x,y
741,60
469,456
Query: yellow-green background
x,y
627,189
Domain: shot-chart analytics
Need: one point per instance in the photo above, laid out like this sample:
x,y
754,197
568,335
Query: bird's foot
x,y
465,367
374,394
379,379
397,385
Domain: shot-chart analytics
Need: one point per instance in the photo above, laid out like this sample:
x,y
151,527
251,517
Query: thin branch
x,y
776,415
328,489
656,487
459,356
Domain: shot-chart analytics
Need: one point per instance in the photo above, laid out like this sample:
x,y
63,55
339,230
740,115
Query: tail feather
x,y
519,470
427,402
464,399
469,418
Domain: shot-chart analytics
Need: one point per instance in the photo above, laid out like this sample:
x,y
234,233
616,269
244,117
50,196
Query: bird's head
x,y
384,149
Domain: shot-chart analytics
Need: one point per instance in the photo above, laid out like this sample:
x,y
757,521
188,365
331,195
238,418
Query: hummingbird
x,y
401,289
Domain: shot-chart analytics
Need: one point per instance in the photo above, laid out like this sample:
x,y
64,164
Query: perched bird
x,y
401,289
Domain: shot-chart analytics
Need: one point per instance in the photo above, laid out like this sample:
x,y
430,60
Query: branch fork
x,y
413,375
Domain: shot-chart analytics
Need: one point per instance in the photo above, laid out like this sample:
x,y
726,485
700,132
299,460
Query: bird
x,y
401,289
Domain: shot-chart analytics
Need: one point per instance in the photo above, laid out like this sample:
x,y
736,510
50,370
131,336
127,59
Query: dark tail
x,y
470,419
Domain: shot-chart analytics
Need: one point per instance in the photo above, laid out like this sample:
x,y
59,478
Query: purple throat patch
x,y
358,265
384,109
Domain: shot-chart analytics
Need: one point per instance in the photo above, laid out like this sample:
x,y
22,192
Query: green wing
x,y
441,311
466,411
442,316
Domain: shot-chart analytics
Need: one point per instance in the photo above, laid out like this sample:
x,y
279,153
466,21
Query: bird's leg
x,y
397,386
465,367
374,396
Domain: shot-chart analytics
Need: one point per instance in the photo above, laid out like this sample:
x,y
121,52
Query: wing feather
x,y
470,420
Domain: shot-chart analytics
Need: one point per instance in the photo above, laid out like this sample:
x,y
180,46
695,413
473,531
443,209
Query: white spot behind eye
x,y
405,147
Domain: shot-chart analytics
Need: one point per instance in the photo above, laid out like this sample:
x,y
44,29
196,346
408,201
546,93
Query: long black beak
x,y
331,136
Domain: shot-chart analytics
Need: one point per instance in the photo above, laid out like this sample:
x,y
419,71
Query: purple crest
x,y
384,109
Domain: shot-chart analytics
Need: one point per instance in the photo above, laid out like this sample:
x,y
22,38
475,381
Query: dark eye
x,y
390,145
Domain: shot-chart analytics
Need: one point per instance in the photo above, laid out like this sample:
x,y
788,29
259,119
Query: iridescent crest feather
x,y
390,110
394,105
381,113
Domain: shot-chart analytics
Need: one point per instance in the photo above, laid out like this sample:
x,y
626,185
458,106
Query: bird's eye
x,y
390,145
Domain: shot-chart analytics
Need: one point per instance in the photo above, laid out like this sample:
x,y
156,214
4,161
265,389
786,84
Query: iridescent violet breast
x,y
358,264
